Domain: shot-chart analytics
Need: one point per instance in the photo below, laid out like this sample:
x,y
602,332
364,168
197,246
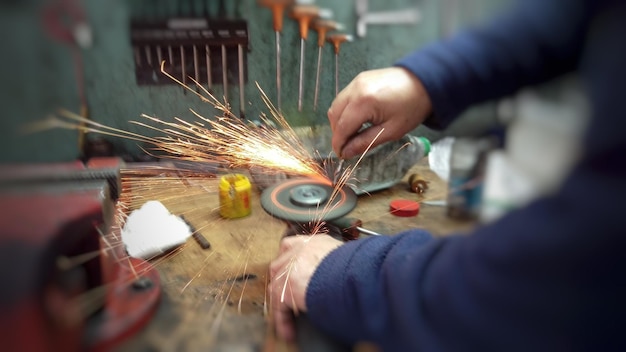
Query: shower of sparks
x,y
227,139
235,142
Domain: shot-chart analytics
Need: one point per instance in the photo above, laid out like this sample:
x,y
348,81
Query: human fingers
x,y
360,126
284,324
359,143
356,114
337,106
373,136
281,307
283,259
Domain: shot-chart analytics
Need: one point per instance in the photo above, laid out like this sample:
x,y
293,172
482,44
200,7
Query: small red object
x,y
404,207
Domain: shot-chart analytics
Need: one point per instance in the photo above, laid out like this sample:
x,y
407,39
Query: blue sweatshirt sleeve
x,y
547,277
535,41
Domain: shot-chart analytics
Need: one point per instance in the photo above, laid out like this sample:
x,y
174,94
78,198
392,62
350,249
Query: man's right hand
x,y
392,99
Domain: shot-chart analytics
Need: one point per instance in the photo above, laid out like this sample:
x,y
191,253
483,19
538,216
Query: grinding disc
x,y
305,200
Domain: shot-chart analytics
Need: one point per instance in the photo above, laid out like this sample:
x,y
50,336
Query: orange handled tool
x,y
336,40
278,9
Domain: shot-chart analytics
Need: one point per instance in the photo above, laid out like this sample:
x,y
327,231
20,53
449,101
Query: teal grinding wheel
x,y
306,200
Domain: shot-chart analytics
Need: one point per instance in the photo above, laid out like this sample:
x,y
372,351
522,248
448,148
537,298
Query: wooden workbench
x,y
215,299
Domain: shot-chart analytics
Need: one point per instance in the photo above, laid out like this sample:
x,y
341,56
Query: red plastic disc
x,y
404,207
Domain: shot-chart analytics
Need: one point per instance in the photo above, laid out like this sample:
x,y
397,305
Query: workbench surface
x,y
215,299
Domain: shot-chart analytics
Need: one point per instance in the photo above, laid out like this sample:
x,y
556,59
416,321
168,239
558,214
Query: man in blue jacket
x,y
550,276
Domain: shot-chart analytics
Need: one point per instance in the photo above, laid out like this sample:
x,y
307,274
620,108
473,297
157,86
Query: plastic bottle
x,y
465,186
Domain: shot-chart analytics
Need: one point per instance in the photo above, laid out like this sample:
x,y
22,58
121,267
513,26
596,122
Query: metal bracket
x,y
409,15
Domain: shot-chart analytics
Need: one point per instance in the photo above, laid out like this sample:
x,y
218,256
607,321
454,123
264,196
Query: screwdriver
x,y
337,40
225,72
181,51
278,9
322,27
183,62
242,98
305,14
207,52
196,67
209,78
222,15
351,227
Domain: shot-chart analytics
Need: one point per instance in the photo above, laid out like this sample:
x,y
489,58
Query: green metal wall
x,y
38,75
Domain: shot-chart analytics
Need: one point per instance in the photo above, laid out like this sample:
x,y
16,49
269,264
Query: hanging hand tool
x,y
160,14
209,76
242,97
148,55
147,49
322,27
278,9
337,40
181,51
241,69
305,14
159,51
225,72
183,72
170,54
222,15
351,227
207,51
196,67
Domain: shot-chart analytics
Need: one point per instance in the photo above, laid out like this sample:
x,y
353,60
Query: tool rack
x,y
202,48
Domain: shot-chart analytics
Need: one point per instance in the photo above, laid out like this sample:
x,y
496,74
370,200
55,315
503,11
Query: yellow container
x,y
235,191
